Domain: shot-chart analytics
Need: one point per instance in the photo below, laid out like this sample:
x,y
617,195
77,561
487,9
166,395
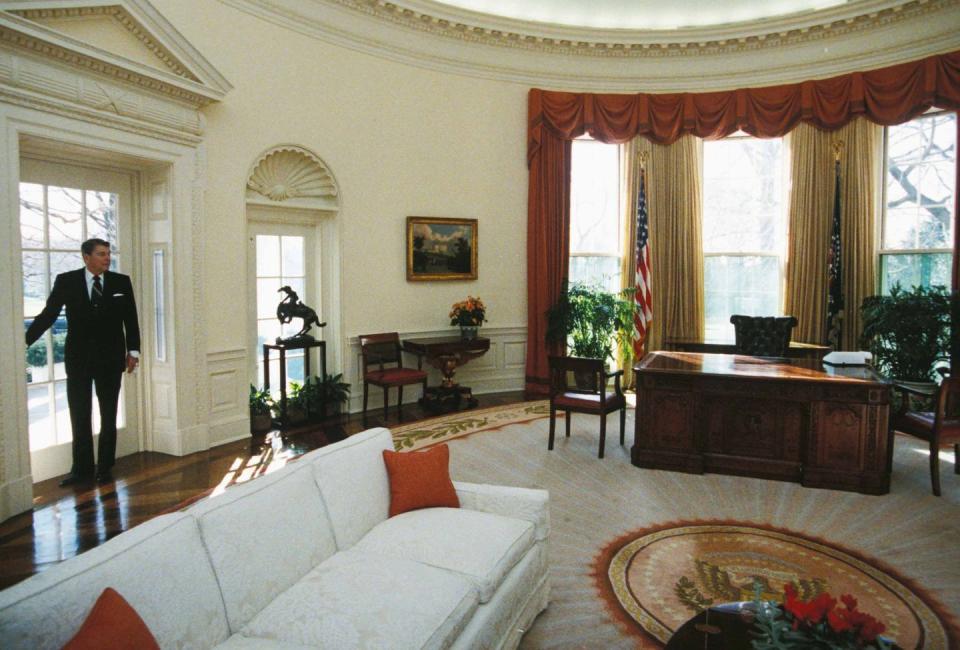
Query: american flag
x,y
835,273
643,314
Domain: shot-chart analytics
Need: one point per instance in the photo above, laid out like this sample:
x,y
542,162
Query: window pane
x,y
31,215
64,428
268,255
34,284
292,248
595,198
102,216
739,285
923,270
42,431
742,195
596,271
63,262
65,208
920,185
267,297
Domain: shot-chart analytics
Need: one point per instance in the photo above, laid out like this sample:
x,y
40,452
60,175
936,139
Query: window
x,y
595,230
280,262
54,221
744,224
917,231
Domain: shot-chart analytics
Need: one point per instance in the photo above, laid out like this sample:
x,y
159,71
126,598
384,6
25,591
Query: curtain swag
x,y
886,96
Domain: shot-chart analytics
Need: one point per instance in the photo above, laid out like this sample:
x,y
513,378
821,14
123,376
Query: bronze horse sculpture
x,y
291,307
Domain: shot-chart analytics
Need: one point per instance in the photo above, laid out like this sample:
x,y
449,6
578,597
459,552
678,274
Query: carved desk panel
x,y
792,420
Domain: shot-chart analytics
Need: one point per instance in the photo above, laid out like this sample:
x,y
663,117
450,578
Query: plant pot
x,y
261,423
468,332
296,415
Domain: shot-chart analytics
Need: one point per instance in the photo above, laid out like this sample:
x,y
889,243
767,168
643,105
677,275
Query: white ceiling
x,y
640,14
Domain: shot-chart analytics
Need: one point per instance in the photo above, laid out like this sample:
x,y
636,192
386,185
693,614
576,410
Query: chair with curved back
x,y
595,399
938,427
763,336
378,350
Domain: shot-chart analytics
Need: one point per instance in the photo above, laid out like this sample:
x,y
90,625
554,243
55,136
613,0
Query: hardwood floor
x,y
67,521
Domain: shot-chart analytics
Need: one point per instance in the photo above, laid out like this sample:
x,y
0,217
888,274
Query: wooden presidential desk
x,y
787,419
795,351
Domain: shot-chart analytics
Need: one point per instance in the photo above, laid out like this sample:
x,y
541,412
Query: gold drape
x,y
674,204
811,214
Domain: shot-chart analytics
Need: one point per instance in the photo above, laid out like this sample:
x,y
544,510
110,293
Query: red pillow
x,y
420,479
112,623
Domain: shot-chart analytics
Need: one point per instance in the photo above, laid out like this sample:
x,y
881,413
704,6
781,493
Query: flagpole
x,y
643,299
835,303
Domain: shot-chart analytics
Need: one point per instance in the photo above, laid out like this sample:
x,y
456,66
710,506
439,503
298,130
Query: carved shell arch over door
x,y
288,174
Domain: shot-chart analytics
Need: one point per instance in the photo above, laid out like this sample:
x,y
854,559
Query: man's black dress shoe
x,y
104,477
74,479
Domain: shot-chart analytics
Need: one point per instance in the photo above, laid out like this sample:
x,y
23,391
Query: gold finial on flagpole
x,y
643,156
838,146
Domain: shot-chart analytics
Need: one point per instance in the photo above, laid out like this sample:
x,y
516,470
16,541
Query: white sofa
x,y
306,557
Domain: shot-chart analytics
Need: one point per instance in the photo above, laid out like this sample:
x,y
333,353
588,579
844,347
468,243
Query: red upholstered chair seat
x,y
596,399
949,429
937,427
395,376
574,400
383,366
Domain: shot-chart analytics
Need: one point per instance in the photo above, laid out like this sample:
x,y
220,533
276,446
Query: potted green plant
x,y
589,321
261,406
297,402
332,391
908,332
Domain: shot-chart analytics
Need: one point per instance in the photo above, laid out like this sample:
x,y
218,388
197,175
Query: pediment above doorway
x,y
113,61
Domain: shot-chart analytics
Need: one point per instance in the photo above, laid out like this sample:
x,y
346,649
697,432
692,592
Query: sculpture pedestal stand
x,y
305,343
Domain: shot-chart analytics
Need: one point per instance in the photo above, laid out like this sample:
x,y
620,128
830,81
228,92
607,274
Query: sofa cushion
x,y
357,600
263,536
353,481
159,566
112,623
479,546
420,479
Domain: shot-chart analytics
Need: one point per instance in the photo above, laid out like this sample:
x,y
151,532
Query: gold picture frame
x,y
440,248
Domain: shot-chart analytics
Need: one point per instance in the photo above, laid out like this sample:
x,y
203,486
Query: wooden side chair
x,y
379,350
938,427
763,336
595,399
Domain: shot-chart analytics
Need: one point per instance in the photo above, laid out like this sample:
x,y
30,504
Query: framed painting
x,y
441,249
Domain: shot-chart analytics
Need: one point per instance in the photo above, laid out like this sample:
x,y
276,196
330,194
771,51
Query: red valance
x,y
886,96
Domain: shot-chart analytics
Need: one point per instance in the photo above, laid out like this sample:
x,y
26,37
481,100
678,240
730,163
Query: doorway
x,y
61,205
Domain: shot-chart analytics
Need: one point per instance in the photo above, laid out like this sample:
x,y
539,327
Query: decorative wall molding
x,y
48,70
289,172
123,18
855,36
228,411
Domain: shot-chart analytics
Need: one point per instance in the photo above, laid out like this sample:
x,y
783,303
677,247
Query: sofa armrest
x,y
520,503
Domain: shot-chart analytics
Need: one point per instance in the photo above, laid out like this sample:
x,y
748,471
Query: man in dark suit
x,y
103,340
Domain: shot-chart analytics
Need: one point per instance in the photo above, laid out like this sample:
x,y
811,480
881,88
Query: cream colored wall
x,y
399,139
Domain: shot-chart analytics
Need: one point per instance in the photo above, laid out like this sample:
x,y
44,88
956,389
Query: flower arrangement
x,y
468,313
819,623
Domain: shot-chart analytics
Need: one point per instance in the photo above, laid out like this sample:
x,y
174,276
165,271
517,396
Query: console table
x,y
793,420
447,353
282,348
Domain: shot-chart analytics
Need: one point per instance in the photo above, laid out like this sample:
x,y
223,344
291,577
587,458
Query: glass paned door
x,y
282,258
60,207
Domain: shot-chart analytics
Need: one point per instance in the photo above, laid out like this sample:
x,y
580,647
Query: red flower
x,y
838,621
808,612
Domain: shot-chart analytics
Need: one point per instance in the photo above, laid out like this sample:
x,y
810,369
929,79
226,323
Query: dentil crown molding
x,y
859,35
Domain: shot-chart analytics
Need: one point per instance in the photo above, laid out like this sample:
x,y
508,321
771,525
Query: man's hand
x,y
132,362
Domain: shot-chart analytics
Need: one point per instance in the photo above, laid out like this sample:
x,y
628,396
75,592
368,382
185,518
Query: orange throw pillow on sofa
x,y
112,623
420,479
